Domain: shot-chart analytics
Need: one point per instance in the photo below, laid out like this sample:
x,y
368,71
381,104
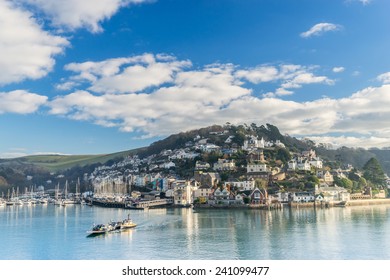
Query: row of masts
x,y
39,197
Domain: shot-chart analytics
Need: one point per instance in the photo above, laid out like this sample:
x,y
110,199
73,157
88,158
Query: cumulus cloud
x,y
27,51
319,29
124,75
384,78
290,77
338,69
185,97
74,14
20,102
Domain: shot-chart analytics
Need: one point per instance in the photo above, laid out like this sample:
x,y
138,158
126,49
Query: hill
x,y
42,167
56,163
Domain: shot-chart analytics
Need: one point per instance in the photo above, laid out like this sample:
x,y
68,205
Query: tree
x,y
373,172
283,155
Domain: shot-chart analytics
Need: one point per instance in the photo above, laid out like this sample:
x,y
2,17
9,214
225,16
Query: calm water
x,y
54,232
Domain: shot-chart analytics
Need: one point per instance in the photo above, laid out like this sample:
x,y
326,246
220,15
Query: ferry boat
x,y
128,223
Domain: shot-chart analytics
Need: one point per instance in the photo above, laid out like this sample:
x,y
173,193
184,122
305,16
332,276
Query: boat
x,y
128,223
98,230
341,204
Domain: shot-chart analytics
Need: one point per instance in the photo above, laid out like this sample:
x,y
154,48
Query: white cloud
x,y
125,75
74,14
259,74
384,78
364,2
20,102
290,75
27,51
187,98
352,141
338,69
319,29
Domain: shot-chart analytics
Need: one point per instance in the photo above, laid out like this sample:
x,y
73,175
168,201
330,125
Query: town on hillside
x,y
220,166
257,173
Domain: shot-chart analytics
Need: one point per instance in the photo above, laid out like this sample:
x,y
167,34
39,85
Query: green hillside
x,y
55,163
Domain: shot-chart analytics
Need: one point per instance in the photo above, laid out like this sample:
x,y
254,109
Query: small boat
x,y
341,204
128,223
98,230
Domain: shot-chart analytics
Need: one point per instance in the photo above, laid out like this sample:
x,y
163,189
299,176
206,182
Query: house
x,y
316,162
200,165
183,192
168,165
319,198
292,164
256,167
282,197
225,165
304,165
203,193
301,197
328,178
207,178
253,143
333,193
247,185
229,139
223,194
309,154
258,197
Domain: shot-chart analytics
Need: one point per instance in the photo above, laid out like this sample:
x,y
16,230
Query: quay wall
x,y
375,201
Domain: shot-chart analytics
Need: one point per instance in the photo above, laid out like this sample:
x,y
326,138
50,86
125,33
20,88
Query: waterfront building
x,y
183,192
333,193
302,197
203,193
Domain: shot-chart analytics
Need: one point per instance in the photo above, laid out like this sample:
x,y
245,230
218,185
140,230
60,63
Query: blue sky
x,y
100,76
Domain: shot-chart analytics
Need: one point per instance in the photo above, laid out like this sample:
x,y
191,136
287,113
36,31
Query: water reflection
x,y
56,232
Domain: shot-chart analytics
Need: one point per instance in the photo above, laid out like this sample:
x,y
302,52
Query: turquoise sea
x,y
49,232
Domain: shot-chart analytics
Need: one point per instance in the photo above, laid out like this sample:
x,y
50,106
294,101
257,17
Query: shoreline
x,y
360,202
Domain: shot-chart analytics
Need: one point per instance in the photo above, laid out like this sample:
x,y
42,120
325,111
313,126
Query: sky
x,y
102,76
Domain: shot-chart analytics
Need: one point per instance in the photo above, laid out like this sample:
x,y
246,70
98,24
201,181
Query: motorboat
x,y
128,223
98,230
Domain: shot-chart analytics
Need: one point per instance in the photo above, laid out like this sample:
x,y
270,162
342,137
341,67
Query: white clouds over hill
x,y
182,98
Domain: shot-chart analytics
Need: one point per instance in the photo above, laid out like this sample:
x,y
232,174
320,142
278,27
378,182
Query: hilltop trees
x,y
373,172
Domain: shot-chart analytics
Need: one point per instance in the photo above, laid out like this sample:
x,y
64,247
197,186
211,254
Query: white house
x,y
304,165
247,185
183,192
253,143
303,197
256,167
224,164
316,162
292,164
200,165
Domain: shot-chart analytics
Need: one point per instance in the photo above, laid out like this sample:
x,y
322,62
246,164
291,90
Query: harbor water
x,y
49,232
